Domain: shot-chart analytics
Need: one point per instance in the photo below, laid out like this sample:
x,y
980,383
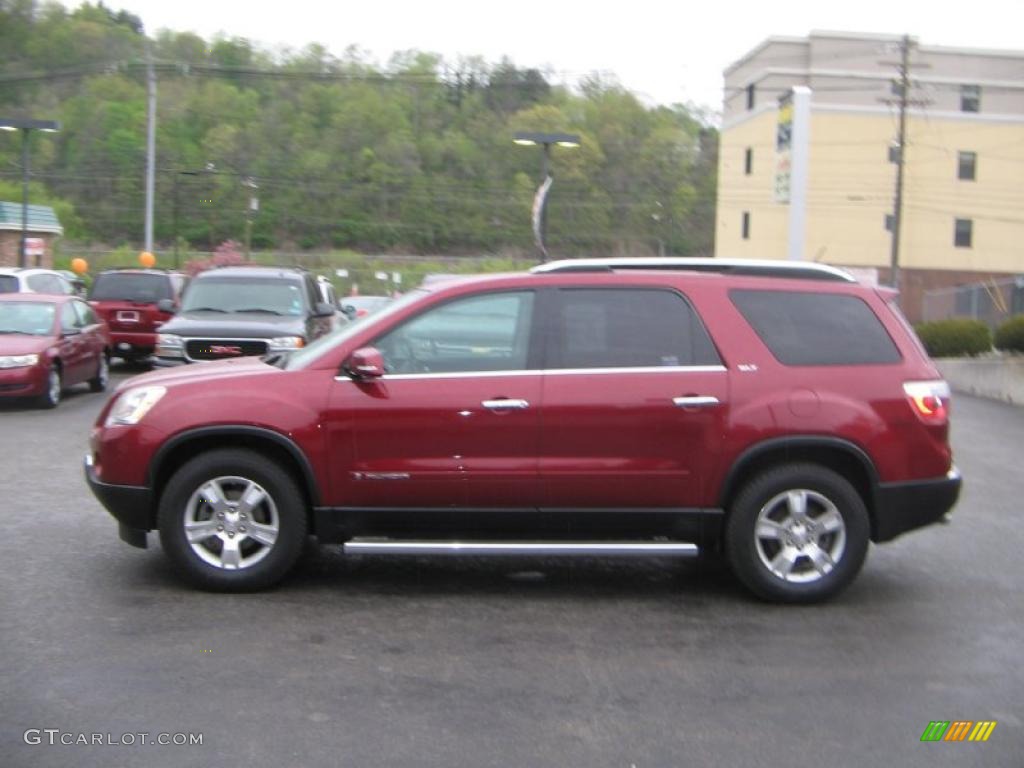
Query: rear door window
x,y
629,328
801,328
8,284
41,283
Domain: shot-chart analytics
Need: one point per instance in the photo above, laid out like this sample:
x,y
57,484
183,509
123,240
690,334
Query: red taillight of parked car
x,y
929,400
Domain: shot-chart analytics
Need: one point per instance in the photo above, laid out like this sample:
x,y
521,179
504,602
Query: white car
x,y
34,280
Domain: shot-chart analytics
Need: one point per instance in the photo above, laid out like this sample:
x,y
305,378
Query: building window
x,y
748,161
746,225
962,233
751,97
967,166
970,98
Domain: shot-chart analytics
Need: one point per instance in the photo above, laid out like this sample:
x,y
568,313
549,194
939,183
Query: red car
x,y
50,343
780,414
127,300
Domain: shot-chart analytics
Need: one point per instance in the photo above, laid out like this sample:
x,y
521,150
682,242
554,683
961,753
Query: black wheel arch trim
x,y
238,430
799,441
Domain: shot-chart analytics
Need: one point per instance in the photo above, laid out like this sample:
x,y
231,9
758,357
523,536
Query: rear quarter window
x,y
8,284
801,328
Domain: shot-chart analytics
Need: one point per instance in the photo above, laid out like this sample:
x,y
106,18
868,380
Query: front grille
x,y
223,349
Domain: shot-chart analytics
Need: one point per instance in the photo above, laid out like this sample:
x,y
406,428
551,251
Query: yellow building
x,y
963,200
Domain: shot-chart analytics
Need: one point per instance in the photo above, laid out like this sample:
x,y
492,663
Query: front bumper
x,y
902,507
130,505
27,381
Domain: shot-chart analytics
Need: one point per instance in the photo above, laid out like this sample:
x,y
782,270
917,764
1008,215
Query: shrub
x,y
1010,335
956,337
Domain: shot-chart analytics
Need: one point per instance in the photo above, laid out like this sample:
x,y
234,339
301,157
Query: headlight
x,y
18,361
169,345
282,343
134,404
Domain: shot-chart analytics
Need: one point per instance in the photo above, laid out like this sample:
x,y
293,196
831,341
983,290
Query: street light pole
x,y
540,199
25,126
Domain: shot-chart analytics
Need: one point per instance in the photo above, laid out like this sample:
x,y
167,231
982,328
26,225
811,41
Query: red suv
x,y
128,299
780,414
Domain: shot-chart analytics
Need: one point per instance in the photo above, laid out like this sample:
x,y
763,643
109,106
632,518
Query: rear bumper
x,y
132,343
902,507
130,505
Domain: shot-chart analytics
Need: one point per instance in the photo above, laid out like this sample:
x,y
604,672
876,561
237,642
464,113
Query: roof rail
x,y
751,267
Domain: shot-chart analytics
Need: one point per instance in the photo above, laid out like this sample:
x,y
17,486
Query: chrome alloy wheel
x,y
231,523
800,536
54,386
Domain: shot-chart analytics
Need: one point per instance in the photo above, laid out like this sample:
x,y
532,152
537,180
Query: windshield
x,y
32,318
305,357
245,294
128,286
8,284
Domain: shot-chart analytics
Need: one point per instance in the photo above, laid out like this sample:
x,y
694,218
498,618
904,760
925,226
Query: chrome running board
x,y
519,548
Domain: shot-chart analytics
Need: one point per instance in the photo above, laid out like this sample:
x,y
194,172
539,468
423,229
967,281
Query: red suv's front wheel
x,y
797,534
232,520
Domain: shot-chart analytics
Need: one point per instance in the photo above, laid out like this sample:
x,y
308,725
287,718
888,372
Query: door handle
x,y
695,401
505,404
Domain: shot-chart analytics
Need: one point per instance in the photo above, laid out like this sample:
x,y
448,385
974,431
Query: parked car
x,y
244,311
128,300
358,307
34,280
779,414
50,343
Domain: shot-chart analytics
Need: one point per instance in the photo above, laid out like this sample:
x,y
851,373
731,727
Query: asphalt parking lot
x,y
387,662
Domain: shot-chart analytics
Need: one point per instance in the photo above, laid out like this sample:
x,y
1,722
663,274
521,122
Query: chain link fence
x,y
992,301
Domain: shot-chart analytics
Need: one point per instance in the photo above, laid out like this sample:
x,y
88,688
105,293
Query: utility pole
x,y
150,147
901,158
904,101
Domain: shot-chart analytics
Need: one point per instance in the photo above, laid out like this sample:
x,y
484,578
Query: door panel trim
x,y
546,372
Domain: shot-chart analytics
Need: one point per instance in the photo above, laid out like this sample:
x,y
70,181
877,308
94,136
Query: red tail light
x,y
929,400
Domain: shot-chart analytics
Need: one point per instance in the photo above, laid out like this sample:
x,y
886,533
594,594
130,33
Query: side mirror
x,y
166,305
366,363
323,309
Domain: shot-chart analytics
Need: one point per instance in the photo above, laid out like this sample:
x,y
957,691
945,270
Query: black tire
x,y
797,541
98,383
182,501
52,394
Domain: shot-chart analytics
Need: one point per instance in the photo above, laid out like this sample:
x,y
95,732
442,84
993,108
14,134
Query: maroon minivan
x,y
127,300
780,414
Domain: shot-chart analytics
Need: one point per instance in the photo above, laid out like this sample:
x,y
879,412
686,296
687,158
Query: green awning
x,y
41,218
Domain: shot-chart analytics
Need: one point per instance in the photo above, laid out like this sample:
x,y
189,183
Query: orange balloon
x,y
147,259
79,266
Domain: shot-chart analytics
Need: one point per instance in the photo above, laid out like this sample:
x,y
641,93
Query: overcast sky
x,y
668,51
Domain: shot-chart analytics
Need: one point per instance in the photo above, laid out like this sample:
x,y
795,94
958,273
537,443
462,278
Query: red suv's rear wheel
x,y
232,521
797,533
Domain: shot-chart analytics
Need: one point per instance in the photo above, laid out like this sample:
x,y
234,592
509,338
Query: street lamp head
x,y
527,138
27,124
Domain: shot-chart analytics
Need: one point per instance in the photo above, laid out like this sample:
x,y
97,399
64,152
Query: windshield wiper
x,y
205,309
260,309
14,330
